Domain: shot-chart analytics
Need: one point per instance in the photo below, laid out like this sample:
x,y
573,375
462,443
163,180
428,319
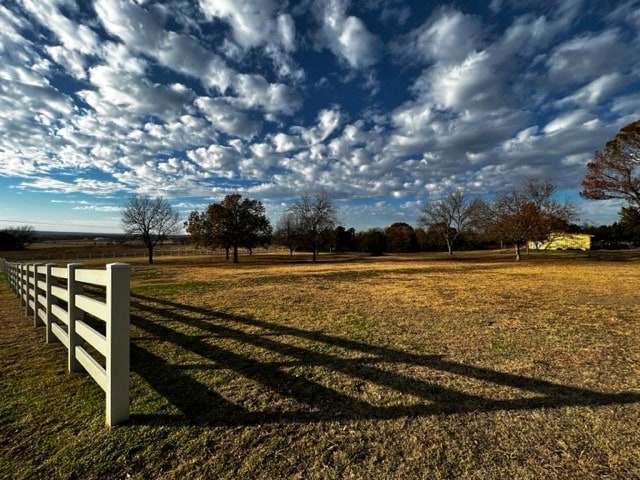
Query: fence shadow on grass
x,y
199,404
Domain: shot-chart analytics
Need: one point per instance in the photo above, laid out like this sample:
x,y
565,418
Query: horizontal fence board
x,y
42,299
32,305
93,338
42,269
59,292
94,277
42,285
61,334
92,367
92,306
59,272
42,315
60,313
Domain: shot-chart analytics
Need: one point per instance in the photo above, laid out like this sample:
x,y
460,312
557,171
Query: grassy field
x,y
419,366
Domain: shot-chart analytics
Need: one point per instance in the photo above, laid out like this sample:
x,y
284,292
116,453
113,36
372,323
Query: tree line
x,y
238,222
309,224
529,212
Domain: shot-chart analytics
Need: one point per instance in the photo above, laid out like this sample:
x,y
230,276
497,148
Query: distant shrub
x,y
373,241
16,238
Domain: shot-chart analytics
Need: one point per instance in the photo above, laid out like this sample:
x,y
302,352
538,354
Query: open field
x,y
415,366
72,250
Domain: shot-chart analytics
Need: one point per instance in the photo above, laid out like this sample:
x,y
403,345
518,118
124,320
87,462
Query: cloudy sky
x,y
382,104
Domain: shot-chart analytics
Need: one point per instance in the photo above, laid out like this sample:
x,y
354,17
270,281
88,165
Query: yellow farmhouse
x,y
563,241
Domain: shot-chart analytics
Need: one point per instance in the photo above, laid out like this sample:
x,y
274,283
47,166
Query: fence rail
x,y
32,256
87,311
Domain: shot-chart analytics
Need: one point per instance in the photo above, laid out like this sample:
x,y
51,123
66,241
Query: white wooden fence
x,y
60,298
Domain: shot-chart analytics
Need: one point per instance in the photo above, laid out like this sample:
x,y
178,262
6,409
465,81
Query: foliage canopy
x,y
615,171
235,222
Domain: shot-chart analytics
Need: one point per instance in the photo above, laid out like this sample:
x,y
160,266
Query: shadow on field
x,y
239,345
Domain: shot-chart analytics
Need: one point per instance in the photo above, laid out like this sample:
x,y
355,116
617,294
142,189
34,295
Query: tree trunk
x,y
235,254
226,251
315,254
450,247
518,256
291,252
150,250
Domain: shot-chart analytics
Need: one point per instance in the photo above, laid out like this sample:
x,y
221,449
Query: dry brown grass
x,y
398,367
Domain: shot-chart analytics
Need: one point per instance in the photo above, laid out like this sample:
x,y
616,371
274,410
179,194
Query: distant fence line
x,y
60,297
79,255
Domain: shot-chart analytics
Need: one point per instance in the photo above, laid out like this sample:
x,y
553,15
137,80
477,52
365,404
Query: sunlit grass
x,y
414,366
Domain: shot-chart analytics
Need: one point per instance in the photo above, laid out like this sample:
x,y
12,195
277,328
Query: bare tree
x,y
615,171
150,219
315,215
528,213
450,216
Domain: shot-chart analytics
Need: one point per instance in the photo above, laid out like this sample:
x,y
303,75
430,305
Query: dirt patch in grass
x,y
399,367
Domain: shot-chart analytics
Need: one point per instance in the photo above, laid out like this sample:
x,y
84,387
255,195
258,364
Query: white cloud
x,y
224,117
258,24
566,121
287,32
79,185
286,143
250,21
448,36
141,31
71,60
473,84
347,36
596,91
134,93
328,121
254,91
74,36
587,57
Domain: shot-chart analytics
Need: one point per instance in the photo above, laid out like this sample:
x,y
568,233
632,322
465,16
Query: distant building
x,y
563,241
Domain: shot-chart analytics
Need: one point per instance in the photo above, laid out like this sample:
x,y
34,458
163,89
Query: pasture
x,y
416,366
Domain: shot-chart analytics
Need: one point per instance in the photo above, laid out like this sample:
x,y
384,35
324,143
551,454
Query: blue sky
x,y
382,104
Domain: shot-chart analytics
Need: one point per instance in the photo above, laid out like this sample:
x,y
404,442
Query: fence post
x,y
117,333
35,294
75,313
22,281
7,272
27,289
17,278
49,300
